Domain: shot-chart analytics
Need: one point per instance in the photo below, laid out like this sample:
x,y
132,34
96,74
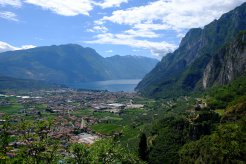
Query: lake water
x,y
126,85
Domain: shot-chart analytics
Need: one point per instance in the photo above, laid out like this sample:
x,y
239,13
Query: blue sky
x,y
126,27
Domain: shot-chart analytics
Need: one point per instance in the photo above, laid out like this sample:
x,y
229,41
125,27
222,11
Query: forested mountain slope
x,y
71,63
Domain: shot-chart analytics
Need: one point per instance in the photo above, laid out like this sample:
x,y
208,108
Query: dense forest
x,y
212,132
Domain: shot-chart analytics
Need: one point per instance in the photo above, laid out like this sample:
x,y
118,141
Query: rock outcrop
x,y
195,64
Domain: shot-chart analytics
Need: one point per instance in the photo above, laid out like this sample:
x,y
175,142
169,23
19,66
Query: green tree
x,y
170,133
226,145
38,146
79,153
5,138
107,151
143,147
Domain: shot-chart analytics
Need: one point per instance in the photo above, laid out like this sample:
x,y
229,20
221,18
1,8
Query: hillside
x,y
13,83
186,69
208,129
127,67
71,63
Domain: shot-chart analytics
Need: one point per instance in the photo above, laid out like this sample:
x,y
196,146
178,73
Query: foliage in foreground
x,y
226,145
202,135
103,151
36,145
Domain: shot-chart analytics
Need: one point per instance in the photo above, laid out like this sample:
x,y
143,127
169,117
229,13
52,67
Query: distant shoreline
x,y
125,85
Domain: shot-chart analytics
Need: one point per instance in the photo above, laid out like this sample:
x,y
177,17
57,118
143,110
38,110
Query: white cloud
x,y
8,15
111,3
14,3
180,35
173,14
65,7
151,26
157,48
109,51
131,33
143,22
24,47
157,17
7,47
141,33
98,28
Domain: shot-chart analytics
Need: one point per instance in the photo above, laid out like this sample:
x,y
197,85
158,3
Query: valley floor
x,y
70,126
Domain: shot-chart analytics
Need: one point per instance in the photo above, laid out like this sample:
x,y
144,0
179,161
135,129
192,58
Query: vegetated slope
x,y
53,63
70,63
212,131
182,71
13,83
226,143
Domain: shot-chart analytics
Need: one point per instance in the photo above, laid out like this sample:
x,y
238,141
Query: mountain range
x,y
19,84
71,63
213,55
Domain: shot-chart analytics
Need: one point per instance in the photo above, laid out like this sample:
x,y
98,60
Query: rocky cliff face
x,y
227,64
183,70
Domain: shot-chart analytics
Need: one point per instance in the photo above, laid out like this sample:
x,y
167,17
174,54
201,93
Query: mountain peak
x,y
182,71
71,63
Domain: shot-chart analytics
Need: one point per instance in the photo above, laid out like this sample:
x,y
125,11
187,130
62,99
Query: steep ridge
x,y
228,64
182,71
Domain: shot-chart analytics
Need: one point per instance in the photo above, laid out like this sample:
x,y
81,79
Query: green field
x,y
221,112
83,112
11,109
106,129
41,106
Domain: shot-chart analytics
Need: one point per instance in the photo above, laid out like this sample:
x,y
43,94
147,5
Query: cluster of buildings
x,y
63,103
115,108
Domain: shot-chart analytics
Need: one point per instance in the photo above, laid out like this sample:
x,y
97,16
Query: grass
x,y
134,111
41,106
221,112
83,112
106,129
144,101
129,133
114,118
130,137
104,115
11,109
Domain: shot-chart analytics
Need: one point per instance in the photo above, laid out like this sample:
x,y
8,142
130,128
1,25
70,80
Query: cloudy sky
x,y
125,27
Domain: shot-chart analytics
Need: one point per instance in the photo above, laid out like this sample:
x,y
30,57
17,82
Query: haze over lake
x,y
126,85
